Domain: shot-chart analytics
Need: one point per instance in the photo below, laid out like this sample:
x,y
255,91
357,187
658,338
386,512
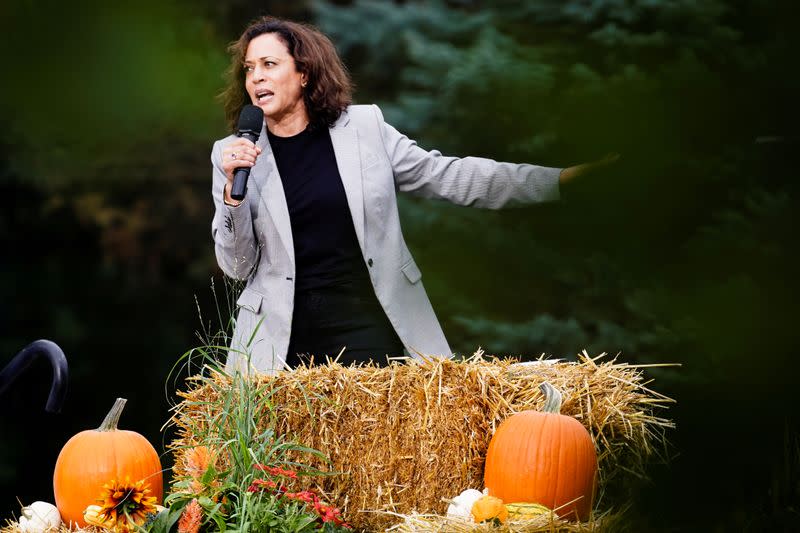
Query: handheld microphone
x,y
250,121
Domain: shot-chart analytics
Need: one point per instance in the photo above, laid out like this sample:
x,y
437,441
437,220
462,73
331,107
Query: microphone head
x,y
250,119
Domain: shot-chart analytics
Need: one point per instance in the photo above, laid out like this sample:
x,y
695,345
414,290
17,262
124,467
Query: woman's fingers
x,y
570,173
606,160
239,153
244,154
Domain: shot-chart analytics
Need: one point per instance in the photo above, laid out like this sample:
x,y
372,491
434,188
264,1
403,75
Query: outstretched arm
x,y
470,181
474,181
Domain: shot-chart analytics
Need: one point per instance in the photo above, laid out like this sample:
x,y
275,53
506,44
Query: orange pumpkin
x,y
543,457
95,457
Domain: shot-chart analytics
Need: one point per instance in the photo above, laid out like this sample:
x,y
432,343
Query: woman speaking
x,y
317,236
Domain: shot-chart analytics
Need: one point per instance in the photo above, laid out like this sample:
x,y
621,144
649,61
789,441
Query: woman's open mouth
x,y
263,96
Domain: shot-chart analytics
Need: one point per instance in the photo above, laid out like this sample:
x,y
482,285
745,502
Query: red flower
x,y
261,484
333,514
326,513
276,471
304,496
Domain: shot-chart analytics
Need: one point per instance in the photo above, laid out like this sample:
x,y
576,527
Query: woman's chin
x,y
265,106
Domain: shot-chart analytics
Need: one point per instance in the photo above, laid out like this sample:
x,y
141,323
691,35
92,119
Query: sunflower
x,y
123,504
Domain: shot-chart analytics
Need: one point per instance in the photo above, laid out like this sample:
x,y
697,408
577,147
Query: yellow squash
x,y
526,511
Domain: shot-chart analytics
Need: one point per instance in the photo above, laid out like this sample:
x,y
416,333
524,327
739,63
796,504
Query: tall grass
x,y
236,421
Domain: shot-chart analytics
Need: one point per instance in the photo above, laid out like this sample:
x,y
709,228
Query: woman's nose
x,y
258,74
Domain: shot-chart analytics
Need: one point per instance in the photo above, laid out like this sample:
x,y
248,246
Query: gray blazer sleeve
x,y
235,243
470,181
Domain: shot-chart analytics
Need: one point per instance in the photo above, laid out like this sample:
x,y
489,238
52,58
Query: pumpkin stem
x,y
552,398
112,418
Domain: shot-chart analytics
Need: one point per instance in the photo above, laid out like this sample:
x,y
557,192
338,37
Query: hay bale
x,y
407,435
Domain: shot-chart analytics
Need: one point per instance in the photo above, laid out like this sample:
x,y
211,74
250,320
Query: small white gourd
x,y
461,505
39,517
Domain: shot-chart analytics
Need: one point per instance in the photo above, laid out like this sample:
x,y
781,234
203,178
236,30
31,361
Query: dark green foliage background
x,y
680,253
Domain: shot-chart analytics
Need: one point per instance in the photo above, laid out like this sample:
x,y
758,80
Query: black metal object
x,y
33,351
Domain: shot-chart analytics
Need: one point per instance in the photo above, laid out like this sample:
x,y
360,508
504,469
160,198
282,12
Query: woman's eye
x,y
248,68
269,63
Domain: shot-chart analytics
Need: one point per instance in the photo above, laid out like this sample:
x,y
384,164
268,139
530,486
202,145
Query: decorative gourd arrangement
x,y
543,457
475,506
93,458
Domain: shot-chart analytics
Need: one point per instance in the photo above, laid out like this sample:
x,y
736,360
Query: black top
x,y
326,249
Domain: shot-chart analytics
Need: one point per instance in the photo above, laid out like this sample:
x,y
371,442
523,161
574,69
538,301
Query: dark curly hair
x,y
329,90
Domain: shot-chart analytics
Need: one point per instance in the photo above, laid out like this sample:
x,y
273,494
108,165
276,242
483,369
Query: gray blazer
x,y
253,241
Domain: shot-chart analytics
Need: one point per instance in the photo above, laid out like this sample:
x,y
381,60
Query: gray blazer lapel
x,y
272,195
345,146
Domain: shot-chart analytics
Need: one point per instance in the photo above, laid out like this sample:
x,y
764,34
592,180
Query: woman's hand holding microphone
x,y
239,153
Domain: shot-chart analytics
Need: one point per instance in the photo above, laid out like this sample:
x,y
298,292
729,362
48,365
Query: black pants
x,y
343,316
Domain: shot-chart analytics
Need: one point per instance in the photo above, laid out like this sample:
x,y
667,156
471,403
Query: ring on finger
x,y
233,155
